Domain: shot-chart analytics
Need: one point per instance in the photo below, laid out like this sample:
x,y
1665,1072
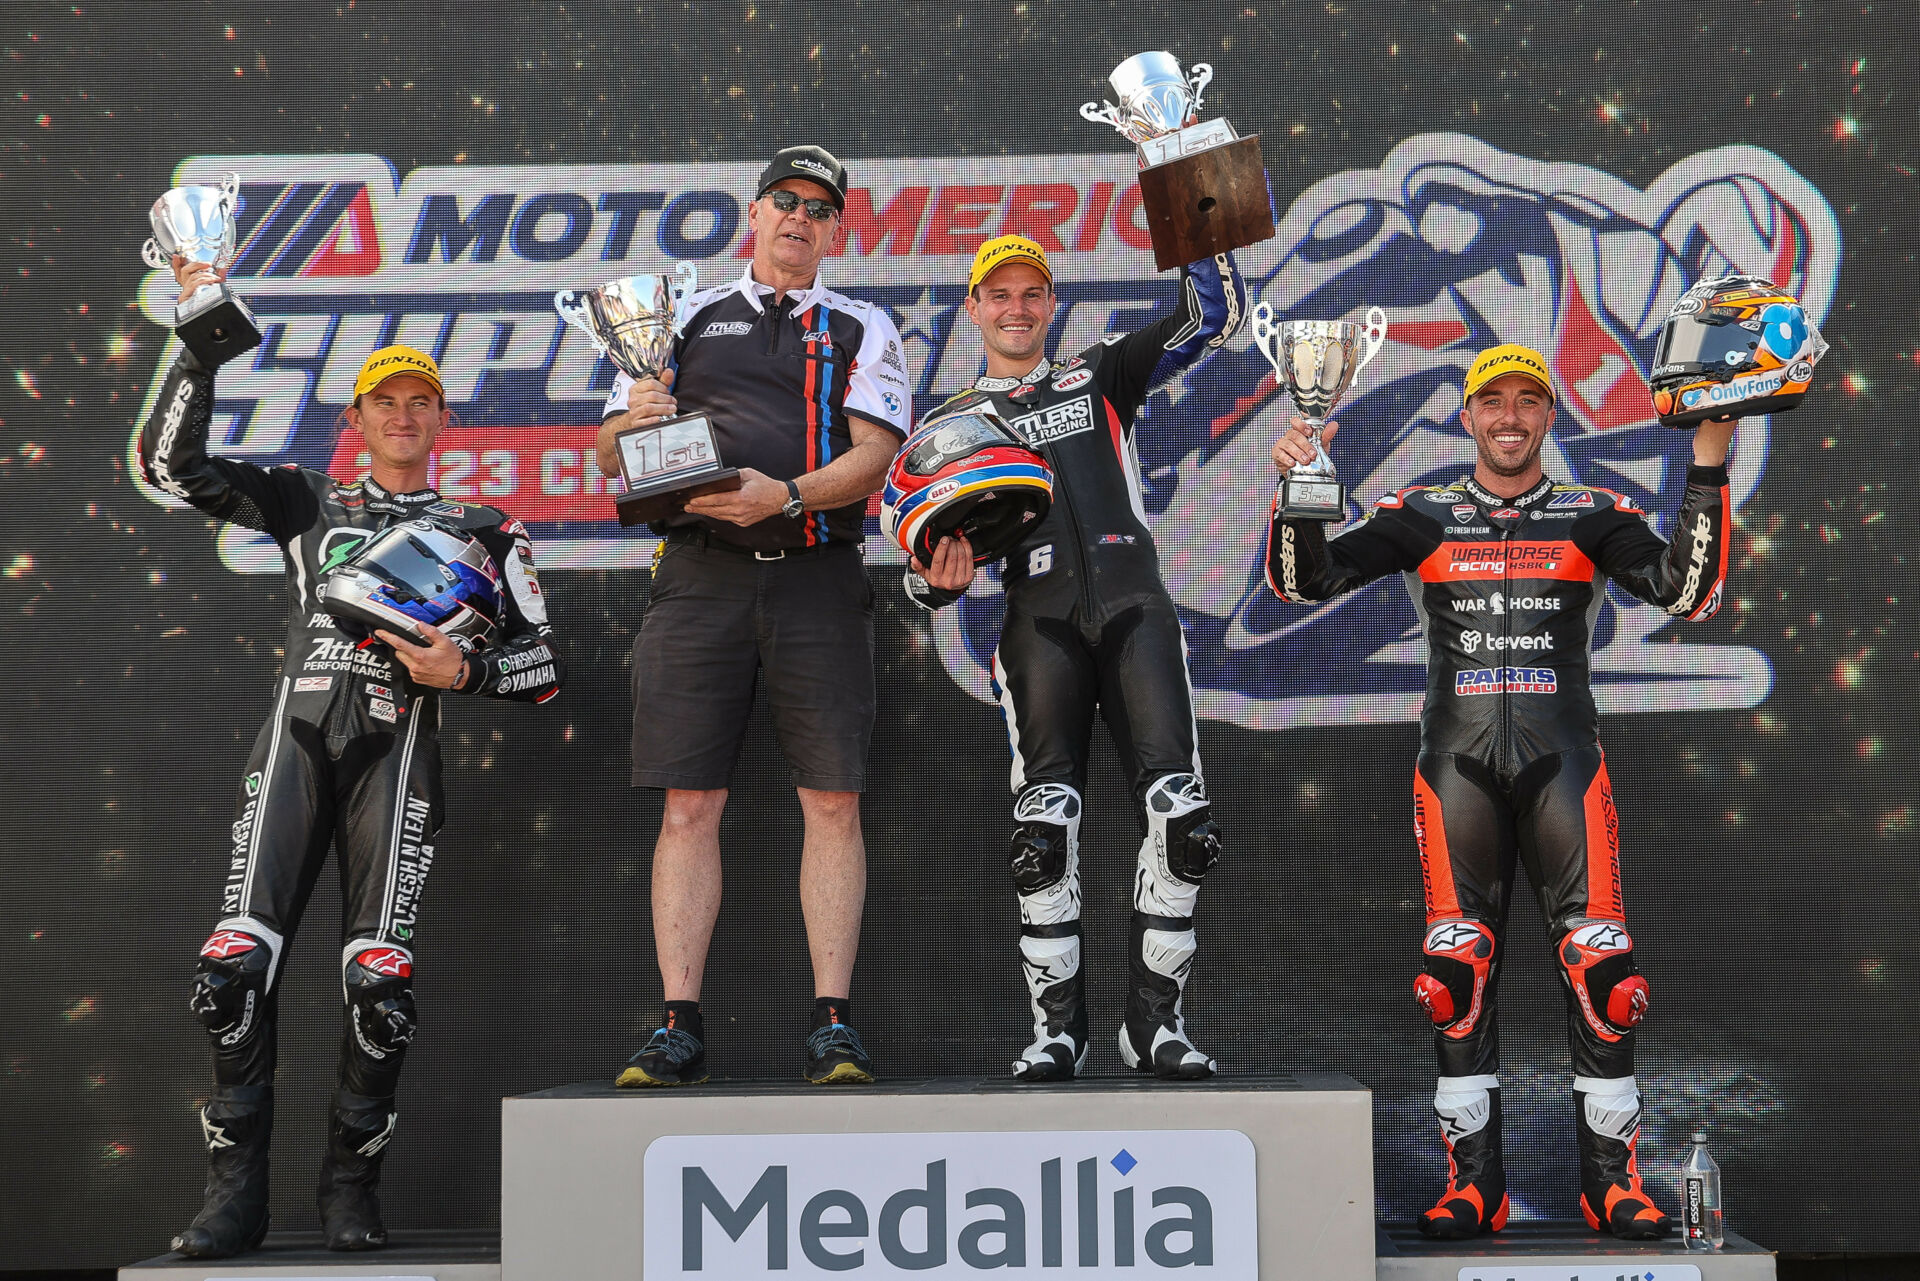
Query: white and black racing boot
x,y
238,1123
1044,858
1153,1038
1182,844
350,1174
1057,995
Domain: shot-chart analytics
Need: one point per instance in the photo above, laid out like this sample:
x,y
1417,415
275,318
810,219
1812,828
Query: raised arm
x,y
1304,566
1211,307
173,456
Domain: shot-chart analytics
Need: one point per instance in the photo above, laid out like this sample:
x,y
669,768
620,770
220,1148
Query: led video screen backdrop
x,y
433,177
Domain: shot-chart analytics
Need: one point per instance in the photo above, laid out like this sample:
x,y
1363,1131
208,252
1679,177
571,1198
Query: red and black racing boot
x,y
237,1122
1476,1197
1607,1114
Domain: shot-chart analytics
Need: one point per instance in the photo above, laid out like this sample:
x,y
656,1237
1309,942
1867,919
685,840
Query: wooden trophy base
x,y
657,502
1207,203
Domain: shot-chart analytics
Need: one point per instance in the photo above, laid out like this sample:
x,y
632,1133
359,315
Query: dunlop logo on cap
x,y
1508,358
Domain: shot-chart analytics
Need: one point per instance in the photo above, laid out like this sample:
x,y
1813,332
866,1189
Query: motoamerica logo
x,y
341,255
1156,1203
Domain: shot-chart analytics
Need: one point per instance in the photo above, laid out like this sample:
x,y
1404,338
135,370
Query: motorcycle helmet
x,y
418,571
969,473
1735,345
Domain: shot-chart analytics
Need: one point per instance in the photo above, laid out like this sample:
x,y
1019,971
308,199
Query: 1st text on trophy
x,y
1202,186
1316,361
197,223
632,322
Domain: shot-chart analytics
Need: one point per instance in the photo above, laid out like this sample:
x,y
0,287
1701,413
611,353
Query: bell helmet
x,y
418,571
1735,345
966,473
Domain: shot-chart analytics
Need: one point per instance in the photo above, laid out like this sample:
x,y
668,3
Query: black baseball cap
x,y
815,164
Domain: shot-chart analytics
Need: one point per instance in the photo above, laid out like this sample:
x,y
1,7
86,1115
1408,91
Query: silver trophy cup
x,y
632,321
1316,361
197,223
1156,97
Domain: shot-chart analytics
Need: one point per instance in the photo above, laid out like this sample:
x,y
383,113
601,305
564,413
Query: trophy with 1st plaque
x,y
197,223
1203,187
1316,362
632,322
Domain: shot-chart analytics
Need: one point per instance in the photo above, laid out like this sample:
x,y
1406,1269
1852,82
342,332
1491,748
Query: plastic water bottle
x,y
1703,1222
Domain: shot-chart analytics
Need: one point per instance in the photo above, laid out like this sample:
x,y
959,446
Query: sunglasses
x,y
788,201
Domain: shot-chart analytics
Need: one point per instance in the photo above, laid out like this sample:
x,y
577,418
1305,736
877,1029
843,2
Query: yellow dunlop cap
x,y
389,362
1002,250
1508,358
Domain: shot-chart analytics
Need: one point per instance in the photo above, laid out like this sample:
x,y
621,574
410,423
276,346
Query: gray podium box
x,y
573,1161
1536,1250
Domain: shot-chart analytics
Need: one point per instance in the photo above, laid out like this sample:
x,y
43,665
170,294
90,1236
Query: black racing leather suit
x,y
1089,625
1510,766
348,756
1087,612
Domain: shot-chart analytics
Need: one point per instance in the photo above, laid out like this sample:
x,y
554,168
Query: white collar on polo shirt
x,y
753,290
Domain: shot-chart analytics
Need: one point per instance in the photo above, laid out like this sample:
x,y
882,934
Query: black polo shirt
x,y
779,378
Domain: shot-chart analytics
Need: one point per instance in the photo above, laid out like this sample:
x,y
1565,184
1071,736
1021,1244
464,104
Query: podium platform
x,y
1247,1177
410,1256
942,1178
1563,1250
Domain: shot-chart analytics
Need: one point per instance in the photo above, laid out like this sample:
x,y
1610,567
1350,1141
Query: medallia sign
x,y
1153,1202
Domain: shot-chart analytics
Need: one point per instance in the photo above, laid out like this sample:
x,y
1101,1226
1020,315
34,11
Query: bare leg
x,y
833,886
686,888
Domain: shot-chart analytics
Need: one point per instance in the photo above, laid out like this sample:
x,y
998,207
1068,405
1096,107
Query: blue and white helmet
x,y
418,571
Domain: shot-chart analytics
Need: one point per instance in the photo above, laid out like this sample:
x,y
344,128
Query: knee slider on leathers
x,y
234,977
1459,961
1179,817
1596,960
1045,854
1045,836
379,991
1181,845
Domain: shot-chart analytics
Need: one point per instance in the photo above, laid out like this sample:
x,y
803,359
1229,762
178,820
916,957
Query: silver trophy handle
x,y
685,282
1104,113
230,186
1199,78
572,306
1266,331
1374,335
154,256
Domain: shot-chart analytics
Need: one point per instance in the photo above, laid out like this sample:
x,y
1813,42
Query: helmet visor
x,y
956,437
407,566
1711,339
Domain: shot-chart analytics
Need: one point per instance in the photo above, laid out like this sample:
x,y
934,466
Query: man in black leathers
x,y
1507,571
348,757
1089,625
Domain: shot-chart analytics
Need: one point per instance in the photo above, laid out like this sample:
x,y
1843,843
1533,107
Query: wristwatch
x,y
794,508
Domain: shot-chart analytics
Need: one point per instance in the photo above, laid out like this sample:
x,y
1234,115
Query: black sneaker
x,y
836,1057
672,1057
